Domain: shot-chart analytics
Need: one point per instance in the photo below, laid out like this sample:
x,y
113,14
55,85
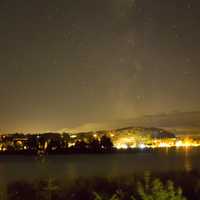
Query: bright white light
x,y
73,136
112,135
179,143
164,145
142,146
71,144
121,146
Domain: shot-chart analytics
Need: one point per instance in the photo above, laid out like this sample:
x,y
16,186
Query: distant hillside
x,y
178,122
152,132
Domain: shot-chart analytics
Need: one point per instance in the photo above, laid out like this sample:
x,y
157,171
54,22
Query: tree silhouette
x,y
32,143
94,145
66,139
80,146
106,143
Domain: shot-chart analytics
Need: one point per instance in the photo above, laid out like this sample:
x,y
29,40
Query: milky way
x,y
64,63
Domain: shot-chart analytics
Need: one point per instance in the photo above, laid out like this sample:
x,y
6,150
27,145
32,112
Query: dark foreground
x,y
183,185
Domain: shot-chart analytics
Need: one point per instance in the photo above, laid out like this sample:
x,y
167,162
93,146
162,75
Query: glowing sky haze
x,y
70,62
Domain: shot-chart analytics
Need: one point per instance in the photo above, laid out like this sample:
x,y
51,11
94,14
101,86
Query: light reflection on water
x,y
108,165
188,161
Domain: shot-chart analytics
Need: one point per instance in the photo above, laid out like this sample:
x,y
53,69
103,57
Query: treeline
x,y
52,143
89,145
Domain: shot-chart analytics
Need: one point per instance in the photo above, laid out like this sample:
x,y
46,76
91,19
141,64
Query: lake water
x,y
14,168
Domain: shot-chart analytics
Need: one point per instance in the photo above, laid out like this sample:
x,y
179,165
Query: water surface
x,y
20,167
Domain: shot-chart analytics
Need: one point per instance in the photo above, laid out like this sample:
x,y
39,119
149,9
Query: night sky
x,y
70,62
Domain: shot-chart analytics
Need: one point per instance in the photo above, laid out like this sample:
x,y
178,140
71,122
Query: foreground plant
x,y
156,190
99,197
150,190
